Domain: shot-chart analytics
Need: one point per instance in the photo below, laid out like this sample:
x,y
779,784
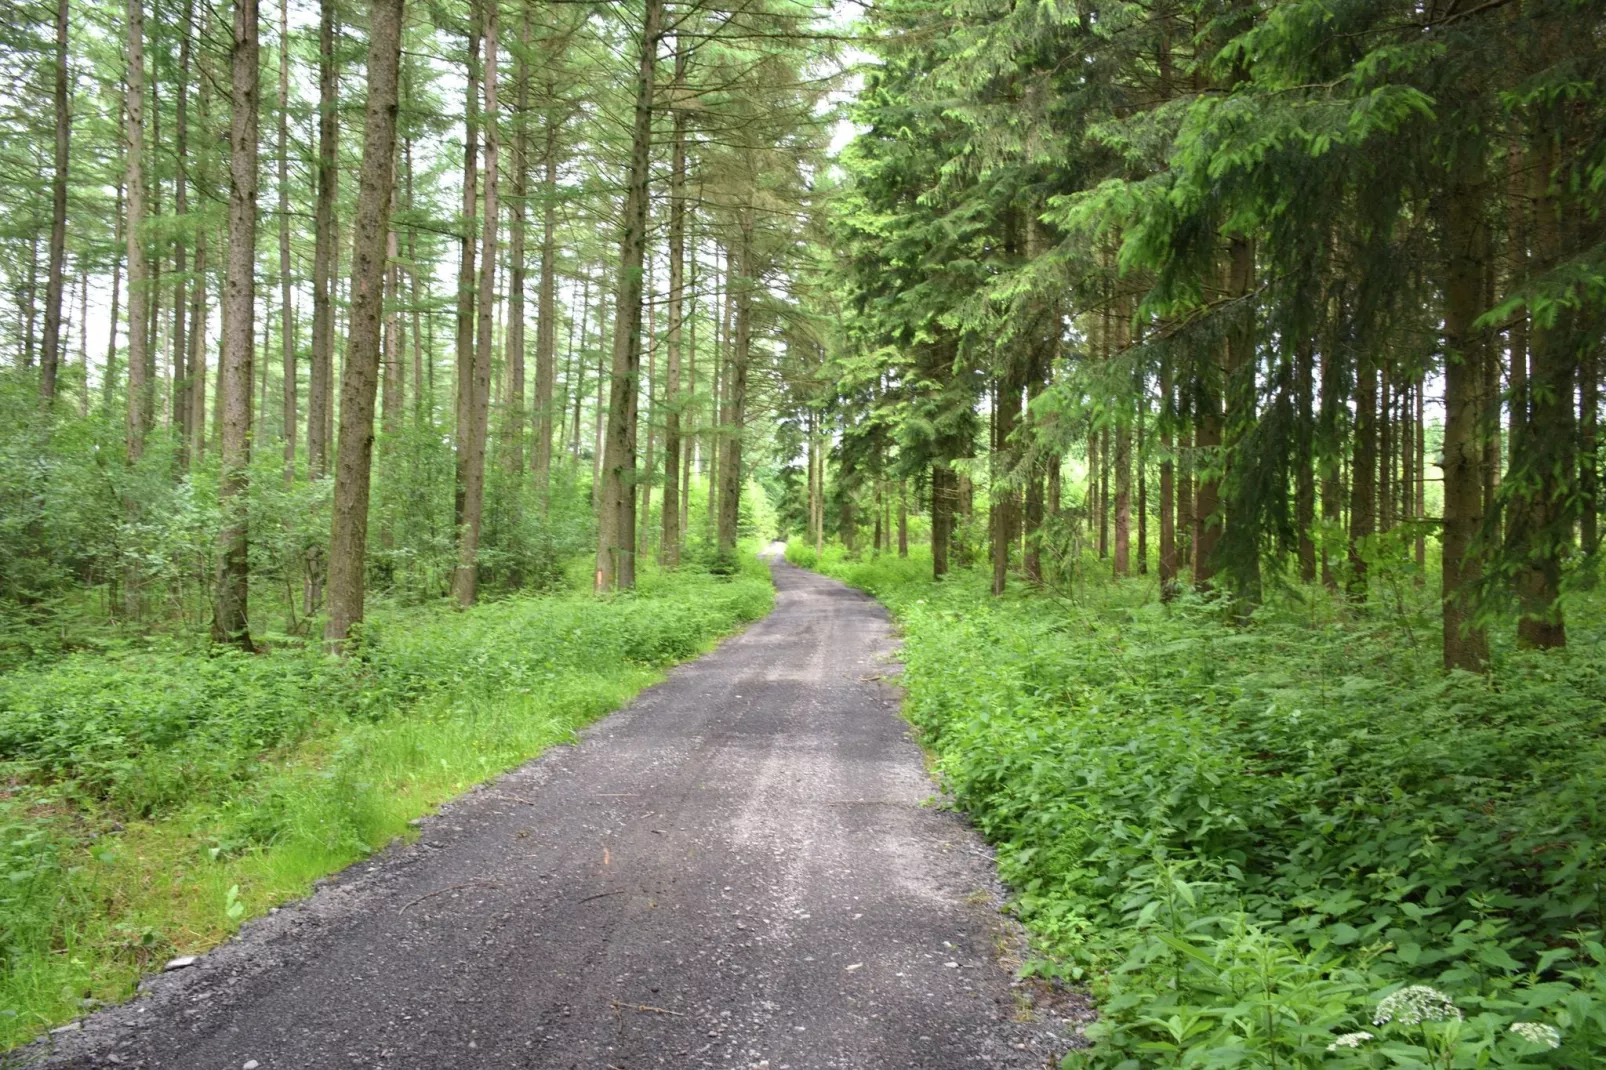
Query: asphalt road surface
x,y
742,869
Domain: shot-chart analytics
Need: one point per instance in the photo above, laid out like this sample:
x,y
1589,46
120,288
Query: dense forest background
x,y
1211,388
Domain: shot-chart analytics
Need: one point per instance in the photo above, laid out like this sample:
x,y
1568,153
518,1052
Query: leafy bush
x,y
1246,839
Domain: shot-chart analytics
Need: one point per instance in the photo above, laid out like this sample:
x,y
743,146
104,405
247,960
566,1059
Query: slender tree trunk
x,y
421,398
1465,643
1206,512
230,623
348,539
903,519
465,583
183,395
547,314
465,274
1168,519
1305,459
616,565
519,209
51,356
649,468
735,416
108,380
943,493
1240,418
139,385
670,548
391,393
1363,475
1539,528
287,331
325,239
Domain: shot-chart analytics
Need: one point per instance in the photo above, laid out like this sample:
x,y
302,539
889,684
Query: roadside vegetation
x,y
1252,842
159,795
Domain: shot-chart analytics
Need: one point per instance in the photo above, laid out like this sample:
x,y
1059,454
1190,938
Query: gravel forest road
x,y
736,871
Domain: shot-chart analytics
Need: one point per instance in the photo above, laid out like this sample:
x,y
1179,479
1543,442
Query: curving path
x,y
735,871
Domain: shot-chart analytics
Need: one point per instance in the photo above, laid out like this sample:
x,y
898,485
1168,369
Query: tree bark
x,y
465,582
735,417
348,539
1168,520
1305,459
320,387
547,314
465,276
1363,476
183,395
616,564
230,622
670,548
1465,645
1240,418
139,385
513,337
287,332
1539,527
50,356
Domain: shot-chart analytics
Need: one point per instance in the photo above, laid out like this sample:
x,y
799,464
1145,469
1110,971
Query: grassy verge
x,y
1253,842
154,800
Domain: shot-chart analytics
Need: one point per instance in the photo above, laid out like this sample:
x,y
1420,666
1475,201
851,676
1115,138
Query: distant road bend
x,y
735,871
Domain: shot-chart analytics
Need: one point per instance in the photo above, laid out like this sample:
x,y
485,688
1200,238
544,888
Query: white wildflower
x,y
1416,1004
1350,1040
1546,1036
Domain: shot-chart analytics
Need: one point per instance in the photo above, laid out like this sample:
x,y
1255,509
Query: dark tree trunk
x,y
230,623
1465,644
670,548
616,522
320,385
139,384
50,356
465,582
348,541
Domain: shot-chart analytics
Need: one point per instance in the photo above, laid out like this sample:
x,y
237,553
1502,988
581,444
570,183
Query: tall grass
x,y
1246,838
156,799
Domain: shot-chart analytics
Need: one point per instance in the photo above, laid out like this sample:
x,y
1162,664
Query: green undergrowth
x,y
1252,841
153,800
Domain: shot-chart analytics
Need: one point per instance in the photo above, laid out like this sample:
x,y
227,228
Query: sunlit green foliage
x,y
1244,838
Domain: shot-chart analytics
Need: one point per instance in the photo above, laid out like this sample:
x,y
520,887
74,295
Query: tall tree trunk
x,y
1305,458
1206,512
320,386
1363,476
546,327
465,582
1539,529
465,274
616,523
391,391
108,378
421,398
670,548
287,329
139,385
1168,520
649,468
183,395
519,208
1240,418
943,494
230,622
50,357
1465,644
348,540
735,417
